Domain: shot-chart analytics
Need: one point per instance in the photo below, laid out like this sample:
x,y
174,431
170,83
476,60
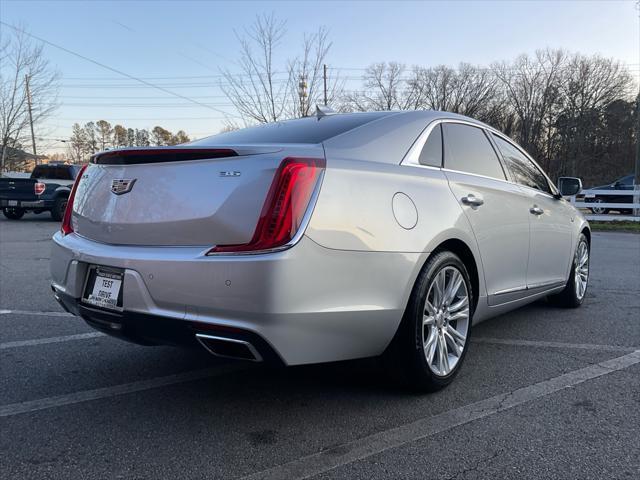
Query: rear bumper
x,y
307,304
28,204
145,329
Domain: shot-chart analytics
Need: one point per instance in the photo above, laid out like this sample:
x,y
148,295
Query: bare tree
x,y
468,90
20,58
531,86
261,93
257,92
385,88
306,76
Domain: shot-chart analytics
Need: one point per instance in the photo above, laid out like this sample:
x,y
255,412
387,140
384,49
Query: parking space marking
x,y
44,341
543,344
115,390
42,314
331,458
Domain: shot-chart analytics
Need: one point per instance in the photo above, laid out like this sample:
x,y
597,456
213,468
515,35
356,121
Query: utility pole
x,y
636,182
33,137
324,77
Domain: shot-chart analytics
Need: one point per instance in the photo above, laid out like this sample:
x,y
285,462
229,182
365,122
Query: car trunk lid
x,y
178,196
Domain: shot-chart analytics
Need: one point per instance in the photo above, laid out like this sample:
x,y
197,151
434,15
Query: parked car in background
x,y
46,190
622,192
321,239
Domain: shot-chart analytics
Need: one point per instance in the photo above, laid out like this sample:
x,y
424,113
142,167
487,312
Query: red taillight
x,y
66,227
39,188
284,207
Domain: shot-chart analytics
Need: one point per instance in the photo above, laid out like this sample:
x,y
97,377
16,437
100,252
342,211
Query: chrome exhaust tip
x,y
229,347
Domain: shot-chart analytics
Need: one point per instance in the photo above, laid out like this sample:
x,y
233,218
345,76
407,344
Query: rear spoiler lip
x,y
135,156
142,155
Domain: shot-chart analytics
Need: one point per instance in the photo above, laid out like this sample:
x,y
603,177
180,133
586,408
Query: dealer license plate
x,y
104,287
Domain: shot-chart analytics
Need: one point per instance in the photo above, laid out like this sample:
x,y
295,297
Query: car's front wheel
x,y
13,213
431,344
573,294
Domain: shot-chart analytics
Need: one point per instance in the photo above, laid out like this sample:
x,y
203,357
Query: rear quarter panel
x,y
355,211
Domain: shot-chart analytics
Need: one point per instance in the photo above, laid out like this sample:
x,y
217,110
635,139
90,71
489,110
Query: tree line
x,y
575,114
101,135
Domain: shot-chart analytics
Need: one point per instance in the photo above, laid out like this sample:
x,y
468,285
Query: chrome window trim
x,y
527,156
479,175
412,157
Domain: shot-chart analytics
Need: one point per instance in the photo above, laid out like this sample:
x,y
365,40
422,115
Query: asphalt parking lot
x,y
544,393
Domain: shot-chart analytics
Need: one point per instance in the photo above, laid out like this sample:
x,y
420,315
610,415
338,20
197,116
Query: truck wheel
x,y
59,206
13,213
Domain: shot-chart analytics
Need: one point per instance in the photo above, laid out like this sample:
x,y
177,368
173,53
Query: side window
x,y
431,154
627,182
523,170
467,149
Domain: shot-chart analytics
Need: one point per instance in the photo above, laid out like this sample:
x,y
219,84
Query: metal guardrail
x,y
635,206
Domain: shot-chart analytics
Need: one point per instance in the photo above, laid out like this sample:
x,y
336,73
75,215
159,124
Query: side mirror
x,y
618,185
569,186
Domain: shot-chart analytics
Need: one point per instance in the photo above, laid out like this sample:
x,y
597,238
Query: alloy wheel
x,y
581,275
445,322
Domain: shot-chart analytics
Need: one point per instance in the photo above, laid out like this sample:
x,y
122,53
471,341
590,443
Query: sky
x,y
182,45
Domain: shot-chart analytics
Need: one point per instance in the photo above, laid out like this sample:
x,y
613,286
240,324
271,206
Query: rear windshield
x,y
302,130
54,172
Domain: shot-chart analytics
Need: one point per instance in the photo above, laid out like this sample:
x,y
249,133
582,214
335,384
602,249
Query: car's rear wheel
x,y
599,210
13,213
574,292
431,344
59,206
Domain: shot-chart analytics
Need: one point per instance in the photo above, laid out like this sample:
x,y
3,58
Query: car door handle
x,y
536,210
472,200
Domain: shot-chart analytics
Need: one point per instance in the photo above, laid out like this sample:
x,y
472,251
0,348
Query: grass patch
x,y
615,226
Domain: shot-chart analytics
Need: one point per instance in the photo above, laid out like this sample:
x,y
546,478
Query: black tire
x,y
570,297
599,210
406,357
59,206
13,213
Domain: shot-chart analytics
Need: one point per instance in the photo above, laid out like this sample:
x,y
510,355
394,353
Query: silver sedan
x,y
320,239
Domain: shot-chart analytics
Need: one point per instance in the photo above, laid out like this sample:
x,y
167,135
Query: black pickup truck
x,y
46,190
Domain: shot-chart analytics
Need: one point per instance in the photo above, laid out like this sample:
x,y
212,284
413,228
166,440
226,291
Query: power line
x,y
119,72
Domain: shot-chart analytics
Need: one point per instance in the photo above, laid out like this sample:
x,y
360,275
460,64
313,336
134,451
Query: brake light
x,y
284,208
39,188
66,227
